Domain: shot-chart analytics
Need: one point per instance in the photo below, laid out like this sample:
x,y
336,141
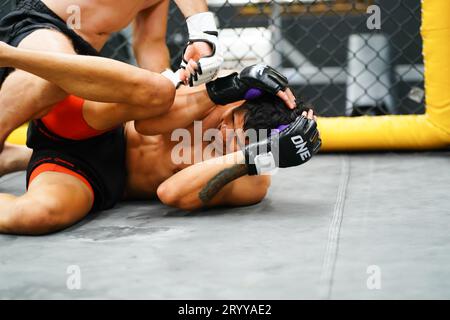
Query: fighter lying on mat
x,y
76,169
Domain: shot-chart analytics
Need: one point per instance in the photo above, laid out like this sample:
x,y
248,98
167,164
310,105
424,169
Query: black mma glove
x,y
250,84
292,147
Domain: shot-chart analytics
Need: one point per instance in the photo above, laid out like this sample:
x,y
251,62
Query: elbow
x,y
258,198
170,196
261,190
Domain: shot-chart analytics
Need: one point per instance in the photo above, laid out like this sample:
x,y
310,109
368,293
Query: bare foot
x,y
14,158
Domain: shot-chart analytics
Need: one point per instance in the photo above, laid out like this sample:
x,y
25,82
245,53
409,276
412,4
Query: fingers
x,y
288,98
192,67
283,96
298,123
309,114
190,71
291,96
181,74
195,52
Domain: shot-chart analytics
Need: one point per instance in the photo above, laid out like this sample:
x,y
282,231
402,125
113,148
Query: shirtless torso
x,y
149,158
100,18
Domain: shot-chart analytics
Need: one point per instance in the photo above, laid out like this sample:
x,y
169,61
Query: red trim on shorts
x,y
51,167
67,121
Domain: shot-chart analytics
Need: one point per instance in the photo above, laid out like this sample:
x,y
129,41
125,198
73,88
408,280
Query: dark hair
x,y
269,112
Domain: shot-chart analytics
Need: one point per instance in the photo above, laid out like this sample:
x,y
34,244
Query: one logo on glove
x,y
302,150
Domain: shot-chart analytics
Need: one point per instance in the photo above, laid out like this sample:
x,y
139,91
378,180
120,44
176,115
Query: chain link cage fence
x,y
326,48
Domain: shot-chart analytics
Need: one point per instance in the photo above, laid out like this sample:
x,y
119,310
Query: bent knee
x,y
35,219
158,93
47,40
40,98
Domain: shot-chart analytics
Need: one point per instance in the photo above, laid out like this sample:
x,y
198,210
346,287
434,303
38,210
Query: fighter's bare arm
x,y
93,78
191,104
220,181
149,37
191,7
234,179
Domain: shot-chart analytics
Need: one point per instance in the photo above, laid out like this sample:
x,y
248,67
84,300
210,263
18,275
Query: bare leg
x,y
53,202
93,78
14,158
16,107
125,92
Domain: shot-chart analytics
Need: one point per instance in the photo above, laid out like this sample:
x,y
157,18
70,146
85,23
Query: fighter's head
x,y
265,113
268,112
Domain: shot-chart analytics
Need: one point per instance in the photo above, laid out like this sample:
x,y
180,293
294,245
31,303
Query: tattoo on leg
x,y
219,181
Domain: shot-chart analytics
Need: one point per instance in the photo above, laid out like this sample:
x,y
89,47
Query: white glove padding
x,y
174,77
202,28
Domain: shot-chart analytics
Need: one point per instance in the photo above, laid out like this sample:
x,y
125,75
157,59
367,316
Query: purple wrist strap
x,y
253,93
282,127
279,129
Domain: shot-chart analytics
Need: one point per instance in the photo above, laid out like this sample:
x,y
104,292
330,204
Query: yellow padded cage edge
x,y
407,132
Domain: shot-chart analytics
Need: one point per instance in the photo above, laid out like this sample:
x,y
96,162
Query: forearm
x,y
151,56
191,7
218,182
149,37
198,184
191,104
91,78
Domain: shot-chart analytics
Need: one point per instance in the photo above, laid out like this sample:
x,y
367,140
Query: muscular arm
x,y
190,104
191,7
92,78
216,182
149,38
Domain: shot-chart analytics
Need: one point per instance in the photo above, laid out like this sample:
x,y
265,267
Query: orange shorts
x,y
66,120
51,167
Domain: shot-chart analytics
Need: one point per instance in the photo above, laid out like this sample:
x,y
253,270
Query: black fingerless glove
x,y
292,147
250,84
